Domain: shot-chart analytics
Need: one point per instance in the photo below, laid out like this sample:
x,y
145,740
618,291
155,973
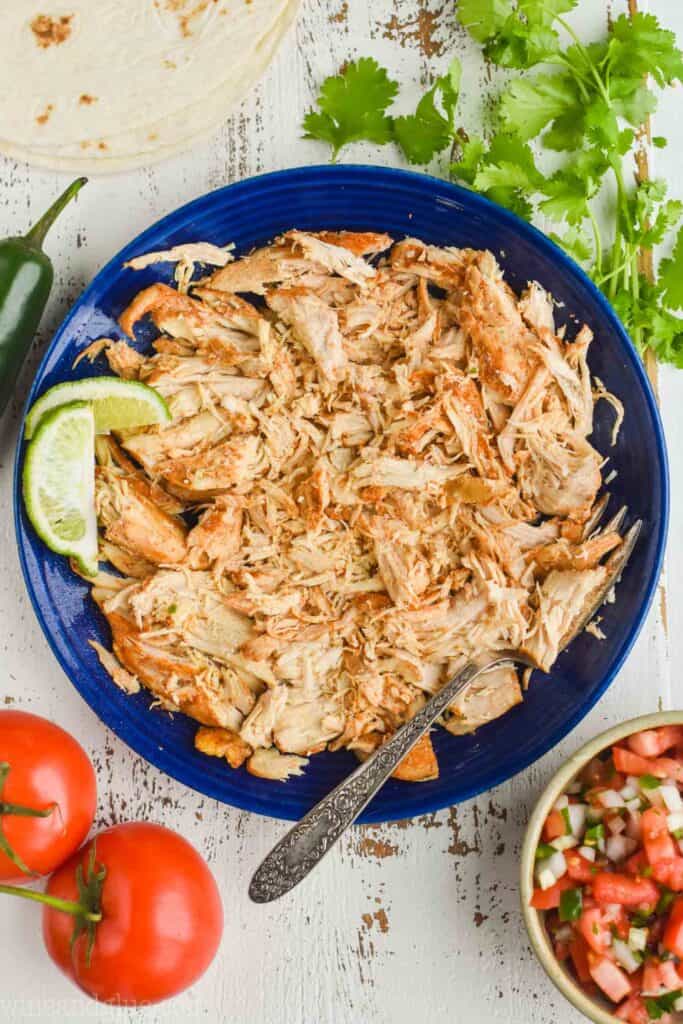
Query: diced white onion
x,y
619,847
546,879
632,780
674,821
671,798
588,852
633,805
557,864
637,938
564,842
577,818
595,814
562,801
615,824
628,793
625,956
610,798
678,1005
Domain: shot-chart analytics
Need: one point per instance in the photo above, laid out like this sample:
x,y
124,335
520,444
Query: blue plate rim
x,y
415,804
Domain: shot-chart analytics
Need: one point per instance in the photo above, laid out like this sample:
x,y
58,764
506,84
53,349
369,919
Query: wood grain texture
x,y
410,921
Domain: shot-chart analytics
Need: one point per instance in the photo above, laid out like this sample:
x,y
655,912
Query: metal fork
x,y
307,842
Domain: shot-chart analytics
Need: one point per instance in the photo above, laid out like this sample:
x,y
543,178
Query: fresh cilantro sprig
x,y
353,107
584,104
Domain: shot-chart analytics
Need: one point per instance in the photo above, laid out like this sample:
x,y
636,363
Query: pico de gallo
x,y
609,876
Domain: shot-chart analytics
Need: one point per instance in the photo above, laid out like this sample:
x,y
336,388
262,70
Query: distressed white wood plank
x,y
406,921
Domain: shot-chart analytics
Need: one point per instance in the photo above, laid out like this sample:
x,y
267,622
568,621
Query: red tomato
x,y
624,889
653,742
579,868
46,769
555,826
633,1011
578,951
672,938
656,838
632,764
636,863
610,978
595,930
161,917
669,873
549,899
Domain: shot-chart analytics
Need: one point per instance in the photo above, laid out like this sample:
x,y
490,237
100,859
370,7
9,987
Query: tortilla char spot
x,y
49,31
85,99
102,145
45,116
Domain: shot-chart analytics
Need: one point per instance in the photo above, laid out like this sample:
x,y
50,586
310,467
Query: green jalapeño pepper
x,y
25,281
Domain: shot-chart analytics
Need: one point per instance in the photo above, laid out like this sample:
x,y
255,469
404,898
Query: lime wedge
x,y
59,483
117,404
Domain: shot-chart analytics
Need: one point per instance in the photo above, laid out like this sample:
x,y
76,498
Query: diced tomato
x,y
595,930
555,826
660,976
549,899
669,873
656,839
653,742
672,938
636,862
578,951
625,889
579,868
668,768
615,918
633,1011
631,764
611,979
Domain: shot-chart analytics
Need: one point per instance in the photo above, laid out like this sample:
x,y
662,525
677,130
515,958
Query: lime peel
x,y
117,404
59,483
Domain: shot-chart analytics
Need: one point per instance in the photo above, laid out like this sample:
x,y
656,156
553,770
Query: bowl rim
x,y
337,175
533,919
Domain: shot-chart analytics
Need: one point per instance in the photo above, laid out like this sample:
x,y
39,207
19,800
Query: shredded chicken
x,y
374,472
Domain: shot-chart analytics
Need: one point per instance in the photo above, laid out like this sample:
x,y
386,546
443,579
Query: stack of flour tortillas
x,y
104,85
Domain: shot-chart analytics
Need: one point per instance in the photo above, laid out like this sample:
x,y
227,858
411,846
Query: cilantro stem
x,y
596,239
587,58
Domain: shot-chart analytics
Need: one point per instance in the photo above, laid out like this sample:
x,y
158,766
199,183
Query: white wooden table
x,y
411,921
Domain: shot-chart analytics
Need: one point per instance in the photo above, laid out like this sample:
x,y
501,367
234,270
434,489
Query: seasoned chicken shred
x,y
378,467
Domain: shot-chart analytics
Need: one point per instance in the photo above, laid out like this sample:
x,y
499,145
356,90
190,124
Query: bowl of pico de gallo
x,y
602,874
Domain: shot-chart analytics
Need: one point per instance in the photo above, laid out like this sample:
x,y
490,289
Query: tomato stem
x,y
67,906
18,810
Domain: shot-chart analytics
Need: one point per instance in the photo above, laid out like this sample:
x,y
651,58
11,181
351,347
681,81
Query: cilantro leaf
x,y
484,18
638,46
426,132
353,106
505,173
575,243
671,275
532,103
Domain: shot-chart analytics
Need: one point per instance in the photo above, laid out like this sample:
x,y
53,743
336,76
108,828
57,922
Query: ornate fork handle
x,y
309,840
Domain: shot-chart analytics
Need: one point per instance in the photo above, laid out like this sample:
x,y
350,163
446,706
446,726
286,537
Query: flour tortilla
x,y
145,109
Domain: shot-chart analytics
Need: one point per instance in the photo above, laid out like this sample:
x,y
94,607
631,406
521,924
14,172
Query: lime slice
x,y
118,404
59,483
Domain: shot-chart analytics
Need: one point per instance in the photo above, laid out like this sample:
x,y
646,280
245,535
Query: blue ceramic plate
x,y
368,198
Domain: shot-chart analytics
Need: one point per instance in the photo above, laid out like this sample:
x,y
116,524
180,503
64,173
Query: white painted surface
x,y
411,921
